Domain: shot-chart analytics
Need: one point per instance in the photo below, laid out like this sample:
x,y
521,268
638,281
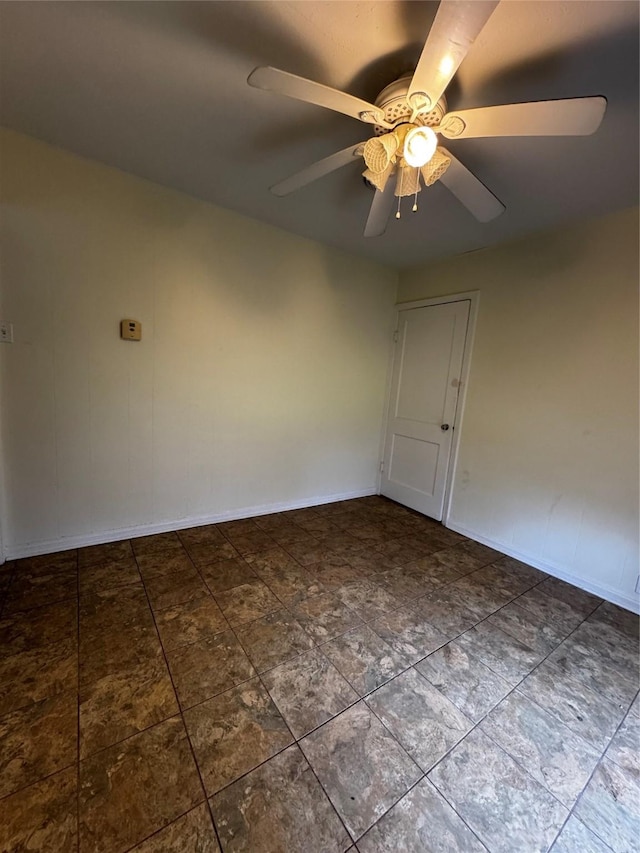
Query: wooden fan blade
x,y
470,191
456,26
274,80
318,170
380,211
566,117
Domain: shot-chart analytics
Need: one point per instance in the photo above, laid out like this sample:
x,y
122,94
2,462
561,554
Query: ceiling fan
x,y
410,115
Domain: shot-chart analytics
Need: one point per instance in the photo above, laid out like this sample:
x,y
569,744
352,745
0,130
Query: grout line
x,y
180,712
602,757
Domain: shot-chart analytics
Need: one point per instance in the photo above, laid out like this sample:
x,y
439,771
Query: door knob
x,y
444,427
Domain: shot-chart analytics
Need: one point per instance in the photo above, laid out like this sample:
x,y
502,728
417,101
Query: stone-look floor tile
x,y
624,749
367,599
308,691
580,600
624,621
443,537
214,552
286,534
370,563
273,639
308,551
206,534
441,568
109,574
342,543
610,807
424,721
203,669
157,543
191,833
94,555
421,822
36,628
105,653
278,807
550,610
252,543
445,611
505,807
576,661
190,622
28,591
291,582
364,659
334,573
131,789
361,766
403,550
324,616
369,534
42,817
124,703
226,574
408,633
177,588
163,563
614,649
505,655
480,551
509,583
521,570
403,583
586,712
525,626
37,740
46,563
576,838
235,732
38,673
274,558
465,680
247,602
479,597
237,527
556,757
117,609
451,563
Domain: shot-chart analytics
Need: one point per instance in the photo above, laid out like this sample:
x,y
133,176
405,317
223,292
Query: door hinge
x,y
382,467
395,337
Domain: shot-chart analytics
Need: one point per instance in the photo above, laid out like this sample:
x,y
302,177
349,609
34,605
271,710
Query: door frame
x,y
473,297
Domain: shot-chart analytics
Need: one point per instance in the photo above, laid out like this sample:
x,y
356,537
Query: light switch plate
x,y
130,330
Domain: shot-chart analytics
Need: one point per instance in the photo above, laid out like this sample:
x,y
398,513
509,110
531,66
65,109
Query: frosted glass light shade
x,y
419,146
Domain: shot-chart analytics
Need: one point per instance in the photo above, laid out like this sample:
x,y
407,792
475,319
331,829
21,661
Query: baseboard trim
x,y
629,602
65,543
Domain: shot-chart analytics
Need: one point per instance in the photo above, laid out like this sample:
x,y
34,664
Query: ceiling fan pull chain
x,y
398,211
415,202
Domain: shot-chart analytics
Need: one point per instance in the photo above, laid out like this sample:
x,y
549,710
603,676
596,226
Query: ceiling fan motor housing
x,y
397,110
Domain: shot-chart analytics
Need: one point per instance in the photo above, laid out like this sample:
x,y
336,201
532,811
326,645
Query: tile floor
x,y
346,677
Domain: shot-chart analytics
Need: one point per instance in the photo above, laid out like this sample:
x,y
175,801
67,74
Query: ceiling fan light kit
x,y
411,112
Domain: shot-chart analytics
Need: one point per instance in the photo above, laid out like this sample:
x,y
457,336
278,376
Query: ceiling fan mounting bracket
x,y
394,103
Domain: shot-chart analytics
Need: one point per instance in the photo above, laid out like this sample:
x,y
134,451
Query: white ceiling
x,y
159,90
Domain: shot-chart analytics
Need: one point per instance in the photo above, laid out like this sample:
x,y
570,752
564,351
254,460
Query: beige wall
x,y
259,381
548,464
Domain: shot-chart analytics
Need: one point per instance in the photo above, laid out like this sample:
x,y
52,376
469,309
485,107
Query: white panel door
x,y
424,395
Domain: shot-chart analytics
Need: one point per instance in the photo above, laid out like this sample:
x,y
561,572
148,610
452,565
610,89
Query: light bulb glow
x,y
419,146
